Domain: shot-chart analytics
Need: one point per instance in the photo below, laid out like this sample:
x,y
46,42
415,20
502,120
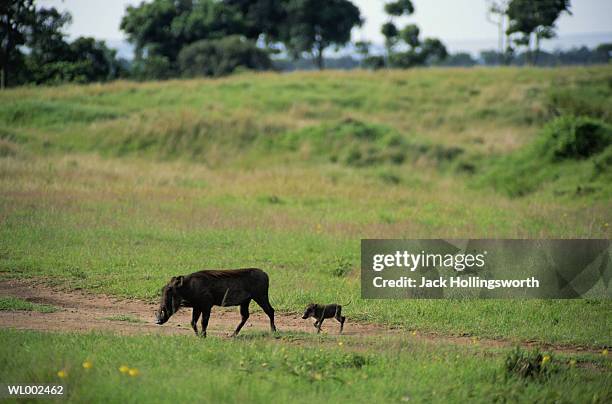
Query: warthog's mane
x,y
228,273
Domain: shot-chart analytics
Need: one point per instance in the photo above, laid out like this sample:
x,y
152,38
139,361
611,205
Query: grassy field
x,y
292,368
12,304
115,188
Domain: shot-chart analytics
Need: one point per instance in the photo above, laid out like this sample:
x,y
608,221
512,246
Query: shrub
x,y
63,72
219,57
569,137
528,365
571,152
341,268
374,62
153,68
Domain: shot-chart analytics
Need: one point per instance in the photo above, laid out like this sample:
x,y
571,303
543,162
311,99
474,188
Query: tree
x,y
399,8
260,17
363,48
16,19
218,57
418,52
161,28
313,25
410,35
102,61
149,27
602,53
390,32
534,19
461,59
496,14
434,50
46,39
366,60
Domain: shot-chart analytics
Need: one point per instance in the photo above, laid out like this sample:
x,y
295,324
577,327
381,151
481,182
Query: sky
x,y
461,24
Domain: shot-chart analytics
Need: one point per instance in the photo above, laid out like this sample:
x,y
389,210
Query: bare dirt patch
x,y
83,312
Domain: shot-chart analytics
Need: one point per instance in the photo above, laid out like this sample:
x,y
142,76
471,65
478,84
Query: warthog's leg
x,y
320,324
205,318
244,312
195,315
340,318
264,303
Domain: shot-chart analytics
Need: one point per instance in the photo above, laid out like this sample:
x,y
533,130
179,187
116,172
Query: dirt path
x,y
82,312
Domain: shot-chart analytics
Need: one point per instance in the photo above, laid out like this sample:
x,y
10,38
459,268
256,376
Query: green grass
x,y
92,224
124,317
289,368
13,303
115,188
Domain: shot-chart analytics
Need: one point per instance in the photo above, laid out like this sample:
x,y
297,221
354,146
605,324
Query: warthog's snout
x,y
161,317
309,311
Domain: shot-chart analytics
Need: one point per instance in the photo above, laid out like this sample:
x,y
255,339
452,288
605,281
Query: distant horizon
x,y
471,46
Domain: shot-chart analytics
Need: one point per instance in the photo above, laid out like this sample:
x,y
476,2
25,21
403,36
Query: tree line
x,y
575,56
34,49
186,38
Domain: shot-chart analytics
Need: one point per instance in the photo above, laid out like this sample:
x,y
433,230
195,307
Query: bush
x,y
568,137
219,57
374,62
342,268
573,154
153,68
528,365
83,61
62,72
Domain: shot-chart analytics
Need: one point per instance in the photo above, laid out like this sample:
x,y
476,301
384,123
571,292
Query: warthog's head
x,y
170,300
310,311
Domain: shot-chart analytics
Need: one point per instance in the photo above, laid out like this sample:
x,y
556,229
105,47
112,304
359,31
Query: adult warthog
x,y
205,289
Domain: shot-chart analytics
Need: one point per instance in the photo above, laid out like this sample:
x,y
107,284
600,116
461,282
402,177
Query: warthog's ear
x,y
176,281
